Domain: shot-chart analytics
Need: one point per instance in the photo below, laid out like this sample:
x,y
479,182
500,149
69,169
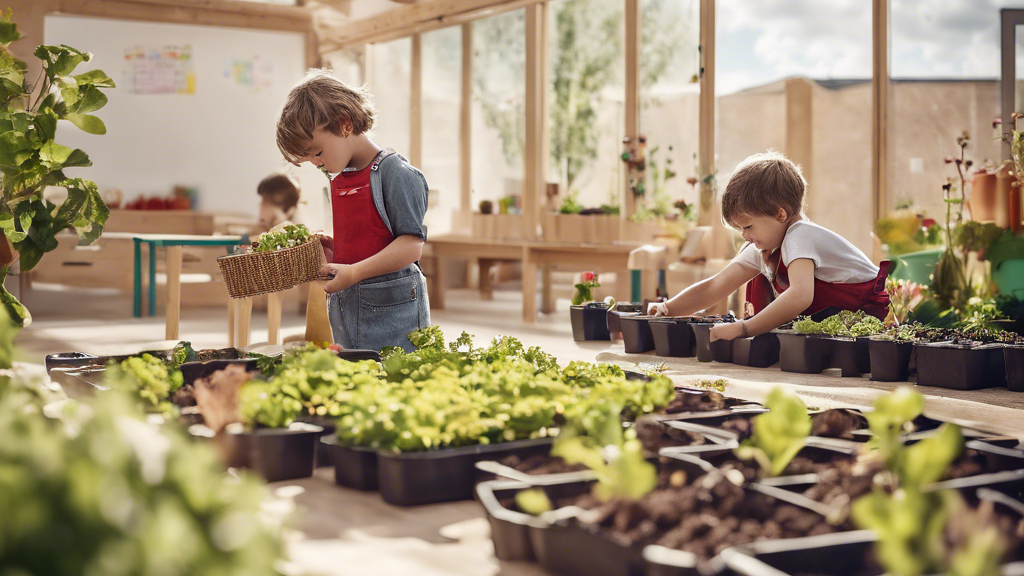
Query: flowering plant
x,y
588,281
903,297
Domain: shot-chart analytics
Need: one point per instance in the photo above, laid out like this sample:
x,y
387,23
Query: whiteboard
x,y
219,139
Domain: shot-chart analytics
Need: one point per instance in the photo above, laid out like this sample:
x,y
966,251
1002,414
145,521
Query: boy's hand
x,y
341,276
328,243
727,331
657,309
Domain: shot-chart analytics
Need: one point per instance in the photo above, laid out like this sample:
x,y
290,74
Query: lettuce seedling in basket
x,y
779,434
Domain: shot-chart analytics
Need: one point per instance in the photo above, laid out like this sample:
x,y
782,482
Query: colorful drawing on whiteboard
x,y
159,70
256,73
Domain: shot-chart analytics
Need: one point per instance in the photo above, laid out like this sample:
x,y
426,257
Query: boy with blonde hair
x,y
377,294
794,267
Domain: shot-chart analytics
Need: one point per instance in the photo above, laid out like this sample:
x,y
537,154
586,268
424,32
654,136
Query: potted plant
x,y
706,350
589,318
615,314
759,351
31,160
839,341
1013,360
891,350
963,358
673,336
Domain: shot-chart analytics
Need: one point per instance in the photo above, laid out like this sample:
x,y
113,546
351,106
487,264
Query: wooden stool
x,y
240,320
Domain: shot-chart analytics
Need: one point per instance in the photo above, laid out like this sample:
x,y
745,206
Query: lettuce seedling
x,y
893,415
533,501
779,434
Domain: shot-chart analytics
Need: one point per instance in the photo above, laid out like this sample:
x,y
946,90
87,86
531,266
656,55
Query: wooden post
x,y
799,126
706,149
529,286
632,120
881,33
416,103
174,257
318,324
368,65
466,124
274,317
232,313
312,50
536,92
243,318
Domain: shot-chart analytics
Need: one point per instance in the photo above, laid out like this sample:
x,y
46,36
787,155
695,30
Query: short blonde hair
x,y
321,101
761,185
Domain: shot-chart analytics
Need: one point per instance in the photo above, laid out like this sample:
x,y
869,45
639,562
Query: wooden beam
x,y
416,103
466,123
159,11
632,107
706,149
536,92
312,50
799,126
881,33
418,18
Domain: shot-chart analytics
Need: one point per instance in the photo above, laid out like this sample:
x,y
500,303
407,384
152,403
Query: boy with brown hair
x,y
794,267
279,199
377,294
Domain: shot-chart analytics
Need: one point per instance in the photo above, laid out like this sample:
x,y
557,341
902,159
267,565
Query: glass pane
x,y
670,97
442,77
585,98
945,81
795,76
346,65
499,89
390,87
1018,92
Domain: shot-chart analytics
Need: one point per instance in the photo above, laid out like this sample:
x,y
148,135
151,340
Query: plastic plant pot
x,y
759,351
959,367
282,453
719,350
673,337
839,553
615,322
589,322
890,360
803,354
1013,360
354,466
851,356
636,334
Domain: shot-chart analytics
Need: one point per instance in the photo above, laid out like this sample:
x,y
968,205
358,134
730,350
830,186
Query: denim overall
x,y
382,311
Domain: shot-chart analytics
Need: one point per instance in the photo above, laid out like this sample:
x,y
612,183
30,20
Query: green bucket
x,y
916,266
1008,276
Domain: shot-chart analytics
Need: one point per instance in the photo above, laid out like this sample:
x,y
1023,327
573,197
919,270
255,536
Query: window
x,y
389,84
442,77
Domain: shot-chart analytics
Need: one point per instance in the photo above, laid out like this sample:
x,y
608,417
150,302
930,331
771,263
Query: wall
x,y
219,139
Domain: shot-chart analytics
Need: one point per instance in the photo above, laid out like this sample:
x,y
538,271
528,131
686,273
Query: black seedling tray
x,y
614,321
719,350
960,367
851,356
890,360
354,466
589,322
759,351
281,453
1013,360
673,337
636,334
839,554
803,354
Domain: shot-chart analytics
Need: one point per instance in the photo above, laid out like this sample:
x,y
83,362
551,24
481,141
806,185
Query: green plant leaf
x,y
9,228
46,125
94,78
90,99
15,309
8,29
87,123
533,501
927,461
779,434
54,153
30,254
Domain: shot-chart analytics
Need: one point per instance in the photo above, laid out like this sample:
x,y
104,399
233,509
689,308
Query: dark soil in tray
x,y
837,423
703,401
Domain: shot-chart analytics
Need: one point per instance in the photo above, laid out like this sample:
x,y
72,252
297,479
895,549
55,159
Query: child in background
x,y
279,199
377,294
794,267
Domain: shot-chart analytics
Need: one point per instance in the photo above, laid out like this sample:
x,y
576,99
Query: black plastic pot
x,y
803,354
719,350
354,466
960,367
673,337
621,309
1013,360
415,478
851,356
636,334
759,351
890,360
281,453
589,322
842,553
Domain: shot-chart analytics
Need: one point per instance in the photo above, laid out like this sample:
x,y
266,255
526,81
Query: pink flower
x,y
588,276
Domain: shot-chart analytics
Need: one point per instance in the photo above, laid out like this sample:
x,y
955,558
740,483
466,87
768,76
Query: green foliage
x,y
282,237
31,160
718,384
181,354
779,434
974,236
148,379
901,332
533,501
893,416
571,204
101,491
844,324
584,290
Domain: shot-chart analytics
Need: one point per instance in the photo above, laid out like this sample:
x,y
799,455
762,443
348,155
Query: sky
x,y
760,41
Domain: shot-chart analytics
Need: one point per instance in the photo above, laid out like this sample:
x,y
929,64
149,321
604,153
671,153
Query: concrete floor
x,y
345,532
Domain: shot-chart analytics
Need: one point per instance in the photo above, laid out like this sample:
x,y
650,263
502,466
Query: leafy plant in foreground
x,y
778,434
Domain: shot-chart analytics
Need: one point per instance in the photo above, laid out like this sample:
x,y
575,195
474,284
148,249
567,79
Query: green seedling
x,y
779,434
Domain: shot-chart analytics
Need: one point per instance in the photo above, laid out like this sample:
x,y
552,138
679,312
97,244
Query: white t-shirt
x,y
835,259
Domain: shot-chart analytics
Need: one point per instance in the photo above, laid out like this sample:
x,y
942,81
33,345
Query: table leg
x,y
547,300
173,311
243,322
232,305
137,289
274,317
152,279
318,323
437,295
486,292
529,286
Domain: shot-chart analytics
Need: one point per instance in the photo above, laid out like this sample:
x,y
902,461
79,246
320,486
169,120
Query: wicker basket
x,y
258,273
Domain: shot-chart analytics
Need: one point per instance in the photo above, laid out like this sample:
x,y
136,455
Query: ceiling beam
x,y
200,12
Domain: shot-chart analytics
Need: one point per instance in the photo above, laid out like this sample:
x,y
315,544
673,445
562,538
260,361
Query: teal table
x,y
169,240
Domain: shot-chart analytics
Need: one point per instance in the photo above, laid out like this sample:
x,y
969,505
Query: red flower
x,y
587,277
928,222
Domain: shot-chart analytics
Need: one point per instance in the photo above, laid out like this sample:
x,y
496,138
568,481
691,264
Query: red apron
x,y
869,296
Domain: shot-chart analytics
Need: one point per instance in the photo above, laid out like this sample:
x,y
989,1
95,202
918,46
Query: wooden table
x,y
535,256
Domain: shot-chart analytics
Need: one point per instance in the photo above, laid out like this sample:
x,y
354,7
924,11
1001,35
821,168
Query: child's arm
x,y
402,252
786,307
706,292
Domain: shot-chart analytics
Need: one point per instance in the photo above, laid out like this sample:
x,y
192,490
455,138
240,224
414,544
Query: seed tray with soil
x,y
890,360
707,351
802,353
851,355
673,336
1013,360
278,453
637,337
960,366
614,317
759,351
589,321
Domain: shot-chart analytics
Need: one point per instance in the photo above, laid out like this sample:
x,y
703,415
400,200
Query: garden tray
x,y
280,453
636,334
589,322
850,355
959,367
759,351
719,350
354,466
1013,359
890,360
803,354
673,337
614,317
